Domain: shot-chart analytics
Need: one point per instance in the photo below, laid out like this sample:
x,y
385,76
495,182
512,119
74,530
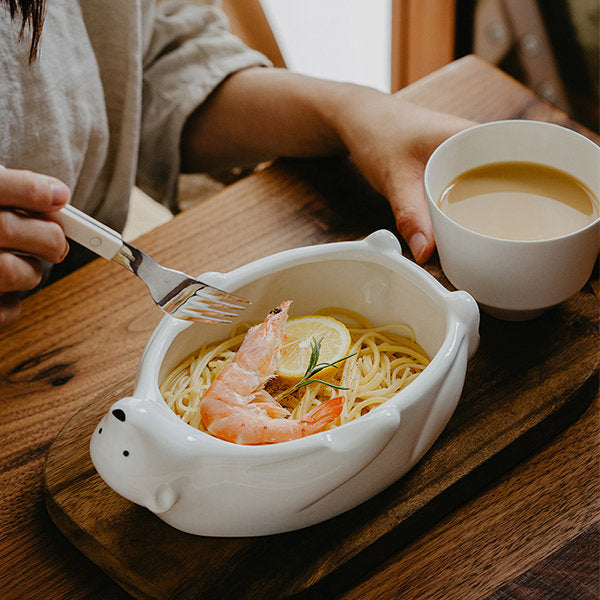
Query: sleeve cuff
x,y
191,52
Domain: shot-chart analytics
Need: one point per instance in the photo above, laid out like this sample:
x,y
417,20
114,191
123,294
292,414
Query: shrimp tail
x,y
321,416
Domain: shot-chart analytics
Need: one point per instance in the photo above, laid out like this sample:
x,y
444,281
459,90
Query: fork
x,y
176,293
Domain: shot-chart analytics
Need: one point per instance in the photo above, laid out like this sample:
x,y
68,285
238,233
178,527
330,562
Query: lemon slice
x,y
300,331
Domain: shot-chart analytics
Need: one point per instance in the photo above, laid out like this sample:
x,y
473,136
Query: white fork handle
x,y
89,232
92,234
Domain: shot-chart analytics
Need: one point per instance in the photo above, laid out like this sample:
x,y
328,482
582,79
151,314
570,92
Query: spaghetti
x,y
385,360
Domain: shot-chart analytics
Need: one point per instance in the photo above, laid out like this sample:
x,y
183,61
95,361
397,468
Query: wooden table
x,y
533,531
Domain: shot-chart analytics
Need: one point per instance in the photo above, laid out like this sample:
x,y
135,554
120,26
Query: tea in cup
x,y
515,213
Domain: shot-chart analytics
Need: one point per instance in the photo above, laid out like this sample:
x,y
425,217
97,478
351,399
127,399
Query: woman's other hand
x,y
390,140
27,233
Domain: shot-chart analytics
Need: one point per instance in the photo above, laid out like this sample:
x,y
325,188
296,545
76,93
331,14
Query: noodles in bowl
x,y
379,363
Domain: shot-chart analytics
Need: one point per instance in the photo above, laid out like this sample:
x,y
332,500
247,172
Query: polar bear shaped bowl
x,y
206,486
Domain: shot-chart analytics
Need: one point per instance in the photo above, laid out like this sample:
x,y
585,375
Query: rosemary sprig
x,y
314,367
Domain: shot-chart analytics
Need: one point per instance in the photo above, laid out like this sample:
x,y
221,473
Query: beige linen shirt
x,y
103,106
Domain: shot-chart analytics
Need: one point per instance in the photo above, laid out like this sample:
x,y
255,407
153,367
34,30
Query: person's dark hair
x,y
32,14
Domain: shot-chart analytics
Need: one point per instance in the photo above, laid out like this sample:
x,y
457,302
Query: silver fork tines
x,y
178,294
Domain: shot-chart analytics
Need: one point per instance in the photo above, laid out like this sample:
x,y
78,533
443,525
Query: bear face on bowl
x,y
206,486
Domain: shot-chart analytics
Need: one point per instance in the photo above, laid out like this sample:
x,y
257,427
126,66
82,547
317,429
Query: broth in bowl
x,y
519,201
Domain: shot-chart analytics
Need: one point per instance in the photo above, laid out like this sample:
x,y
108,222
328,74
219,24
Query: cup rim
x,y
503,123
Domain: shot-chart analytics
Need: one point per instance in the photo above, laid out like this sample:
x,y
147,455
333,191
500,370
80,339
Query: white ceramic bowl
x,y
514,280
203,485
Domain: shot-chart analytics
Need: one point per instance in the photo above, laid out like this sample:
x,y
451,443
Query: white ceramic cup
x,y
510,279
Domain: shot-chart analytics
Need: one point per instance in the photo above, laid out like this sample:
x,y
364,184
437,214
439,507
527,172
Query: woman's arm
x,y
258,114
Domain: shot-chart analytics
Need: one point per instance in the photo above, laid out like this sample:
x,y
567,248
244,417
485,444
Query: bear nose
x,y
119,414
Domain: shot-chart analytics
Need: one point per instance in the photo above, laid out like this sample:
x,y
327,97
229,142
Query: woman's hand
x,y
27,233
390,140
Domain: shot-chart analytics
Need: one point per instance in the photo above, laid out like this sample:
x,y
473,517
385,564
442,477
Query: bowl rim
x,y
168,329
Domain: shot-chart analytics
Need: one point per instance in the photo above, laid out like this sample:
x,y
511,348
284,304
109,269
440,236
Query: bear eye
x,y
125,452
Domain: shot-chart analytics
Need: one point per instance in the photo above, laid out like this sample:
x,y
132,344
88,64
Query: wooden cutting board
x,y
526,382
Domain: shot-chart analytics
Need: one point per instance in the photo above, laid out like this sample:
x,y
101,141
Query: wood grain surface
x,y
526,382
82,337
573,567
528,537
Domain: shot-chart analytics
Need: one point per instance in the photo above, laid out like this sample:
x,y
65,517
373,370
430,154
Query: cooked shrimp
x,y
237,408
